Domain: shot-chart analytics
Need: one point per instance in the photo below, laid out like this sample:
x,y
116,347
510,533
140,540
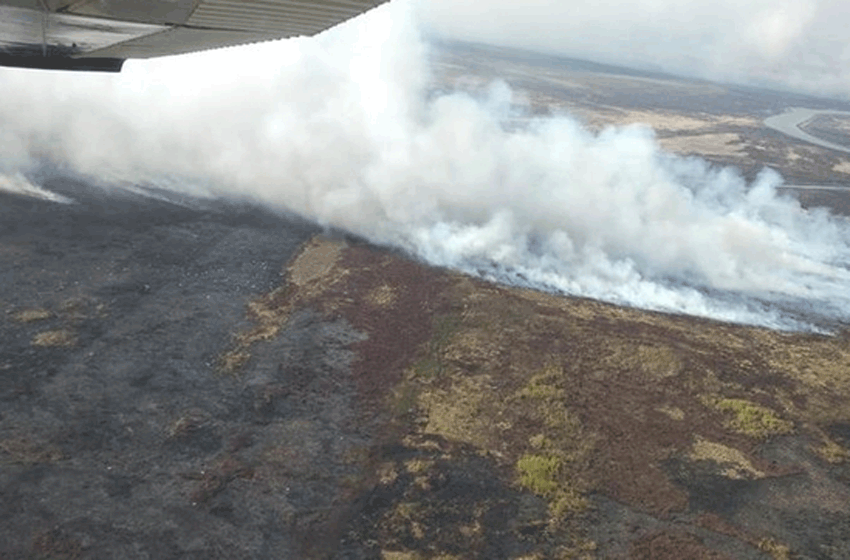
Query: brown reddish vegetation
x,y
560,400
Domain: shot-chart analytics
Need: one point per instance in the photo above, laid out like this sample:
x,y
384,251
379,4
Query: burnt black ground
x,y
117,445
122,437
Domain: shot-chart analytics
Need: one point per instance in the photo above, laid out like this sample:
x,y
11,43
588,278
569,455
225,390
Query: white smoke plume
x,y
342,129
796,45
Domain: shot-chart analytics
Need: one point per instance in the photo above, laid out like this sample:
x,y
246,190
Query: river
x,y
789,123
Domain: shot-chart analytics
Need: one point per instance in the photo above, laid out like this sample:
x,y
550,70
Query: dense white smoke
x,y
790,44
342,130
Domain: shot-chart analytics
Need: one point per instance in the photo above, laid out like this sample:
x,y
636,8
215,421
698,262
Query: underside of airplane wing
x,y
101,34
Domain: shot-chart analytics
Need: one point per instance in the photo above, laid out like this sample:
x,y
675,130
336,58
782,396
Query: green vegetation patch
x,y
404,399
544,475
751,419
433,364
656,361
544,384
831,452
659,361
462,413
776,550
548,400
539,473
445,327
427,368
553,469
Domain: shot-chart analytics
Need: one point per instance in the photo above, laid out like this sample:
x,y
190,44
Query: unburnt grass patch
x,y
55,338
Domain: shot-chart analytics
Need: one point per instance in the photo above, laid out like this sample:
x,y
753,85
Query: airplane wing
x,y
101,34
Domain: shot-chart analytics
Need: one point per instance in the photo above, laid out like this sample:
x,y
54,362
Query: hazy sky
x,y
797,44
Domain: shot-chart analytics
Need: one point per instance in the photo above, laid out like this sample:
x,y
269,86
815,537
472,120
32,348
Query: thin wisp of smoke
x,y
343,130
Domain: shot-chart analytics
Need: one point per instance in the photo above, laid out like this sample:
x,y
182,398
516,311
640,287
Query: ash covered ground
x,y
195,378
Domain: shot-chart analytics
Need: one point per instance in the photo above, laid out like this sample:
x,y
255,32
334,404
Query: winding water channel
x,y
789,123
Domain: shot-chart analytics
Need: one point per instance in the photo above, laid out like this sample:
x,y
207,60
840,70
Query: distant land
x,y
722,123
